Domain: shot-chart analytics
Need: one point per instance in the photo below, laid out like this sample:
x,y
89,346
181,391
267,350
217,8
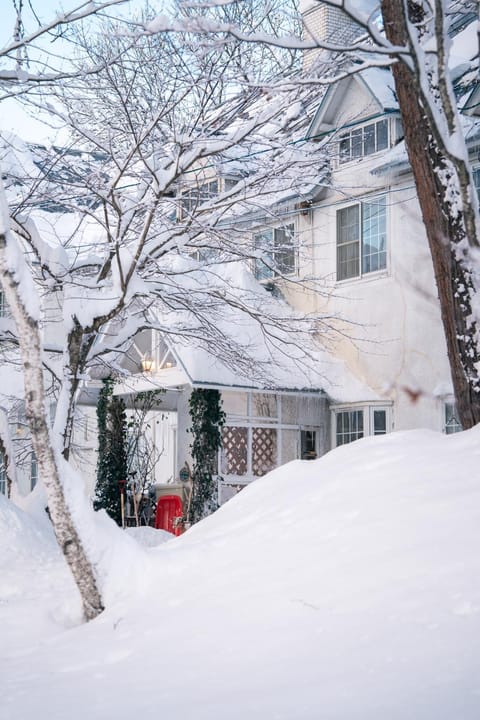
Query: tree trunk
x,y
445,219
65,531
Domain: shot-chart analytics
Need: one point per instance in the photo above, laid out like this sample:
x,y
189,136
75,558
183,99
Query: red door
x,y
169,507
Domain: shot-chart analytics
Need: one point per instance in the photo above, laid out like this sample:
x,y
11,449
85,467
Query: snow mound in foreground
x,y
346,588
148,536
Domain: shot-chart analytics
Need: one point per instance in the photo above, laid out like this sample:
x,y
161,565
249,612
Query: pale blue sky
x,y
13,117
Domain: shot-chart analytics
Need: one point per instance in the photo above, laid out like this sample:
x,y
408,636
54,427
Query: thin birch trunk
x,y
62,521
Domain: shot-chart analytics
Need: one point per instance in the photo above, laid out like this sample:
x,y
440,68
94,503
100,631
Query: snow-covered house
x,y
357,236
368,245
344,243
276,407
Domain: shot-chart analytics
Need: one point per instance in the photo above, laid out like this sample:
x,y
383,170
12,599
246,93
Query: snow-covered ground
x,y
347,587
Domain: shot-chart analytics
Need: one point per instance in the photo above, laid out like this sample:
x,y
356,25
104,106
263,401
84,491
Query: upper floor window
x,y
364,140
277,246
361,238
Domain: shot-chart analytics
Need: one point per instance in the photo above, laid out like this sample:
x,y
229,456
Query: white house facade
x,y
356,245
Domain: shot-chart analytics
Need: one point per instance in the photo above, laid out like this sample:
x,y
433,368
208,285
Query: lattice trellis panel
x,y
264,451
235,450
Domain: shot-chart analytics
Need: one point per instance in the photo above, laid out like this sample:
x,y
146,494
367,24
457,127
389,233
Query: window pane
x,y
382,134
348,261
344,149
264,266
339,425
452,423
374,235
3,475
369,139
349,426
348,224
284,252
229,183
278,252
33,471
379,422
357,143
308,444
348,241
476,181
265,405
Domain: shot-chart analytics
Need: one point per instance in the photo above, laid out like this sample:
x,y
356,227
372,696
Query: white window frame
x,y
268,268
450,423
355,236
368,411
3,474
352,144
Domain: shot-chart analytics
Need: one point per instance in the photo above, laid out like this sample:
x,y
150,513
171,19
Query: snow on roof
x,y
380,83
396,159
323,372
250,339
377,81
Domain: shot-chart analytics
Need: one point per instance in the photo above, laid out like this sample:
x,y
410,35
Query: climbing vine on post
x,y
208,419
112,452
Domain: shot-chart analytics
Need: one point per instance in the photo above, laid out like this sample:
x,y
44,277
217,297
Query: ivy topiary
x,y
112,453
208,419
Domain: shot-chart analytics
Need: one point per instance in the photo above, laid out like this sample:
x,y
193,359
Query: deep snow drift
x,y
347,587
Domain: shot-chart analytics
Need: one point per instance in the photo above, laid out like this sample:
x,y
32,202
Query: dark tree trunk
x,y
450,231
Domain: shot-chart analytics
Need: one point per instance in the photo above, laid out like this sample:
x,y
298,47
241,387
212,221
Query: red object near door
x,y
169,507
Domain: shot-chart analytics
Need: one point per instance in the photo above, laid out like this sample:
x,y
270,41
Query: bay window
x,y
354,423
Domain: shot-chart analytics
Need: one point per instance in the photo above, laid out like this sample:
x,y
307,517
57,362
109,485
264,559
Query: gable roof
x,y
374,82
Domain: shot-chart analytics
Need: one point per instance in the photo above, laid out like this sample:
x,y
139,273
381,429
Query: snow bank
x,y
346,588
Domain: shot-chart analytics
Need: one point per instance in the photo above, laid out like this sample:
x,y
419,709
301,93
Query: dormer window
x,y
277,247
364,140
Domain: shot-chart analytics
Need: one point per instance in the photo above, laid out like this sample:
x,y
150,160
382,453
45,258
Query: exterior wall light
x,y
147,364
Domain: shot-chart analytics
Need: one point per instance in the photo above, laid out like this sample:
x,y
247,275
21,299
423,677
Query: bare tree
x,y
149,231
